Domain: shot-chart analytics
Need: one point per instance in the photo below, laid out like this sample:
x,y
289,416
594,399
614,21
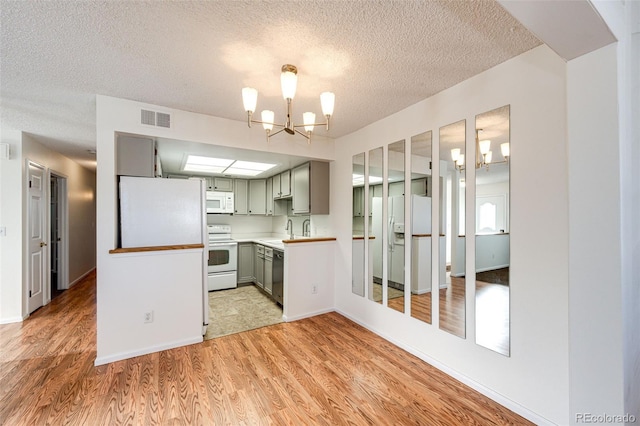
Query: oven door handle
x,y
222,244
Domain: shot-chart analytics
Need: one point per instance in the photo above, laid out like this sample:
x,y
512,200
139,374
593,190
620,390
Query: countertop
x,y
279,242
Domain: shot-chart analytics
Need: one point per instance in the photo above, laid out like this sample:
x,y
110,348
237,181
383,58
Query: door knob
x,y
42,244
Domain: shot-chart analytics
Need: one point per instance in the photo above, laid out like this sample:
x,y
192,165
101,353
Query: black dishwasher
x,y
278,267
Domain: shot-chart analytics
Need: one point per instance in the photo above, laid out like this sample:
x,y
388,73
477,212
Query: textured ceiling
x,y
377,56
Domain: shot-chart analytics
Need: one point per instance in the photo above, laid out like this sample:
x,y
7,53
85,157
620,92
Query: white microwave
x,y
219,202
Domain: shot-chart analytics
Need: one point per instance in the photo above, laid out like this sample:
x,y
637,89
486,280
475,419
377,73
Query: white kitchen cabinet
x,y
223,184
275,190
269,195
396,189
241,193
245,263
310,188
258,196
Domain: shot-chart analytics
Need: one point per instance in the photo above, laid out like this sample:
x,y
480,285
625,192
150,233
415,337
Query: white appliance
x,y
166,212
219,202
222,266
420,224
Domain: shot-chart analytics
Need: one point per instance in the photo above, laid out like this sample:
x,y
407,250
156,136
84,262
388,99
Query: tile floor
x,y
240,309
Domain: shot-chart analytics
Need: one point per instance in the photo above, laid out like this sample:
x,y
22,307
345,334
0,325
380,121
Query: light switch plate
x,y
3,231
4,151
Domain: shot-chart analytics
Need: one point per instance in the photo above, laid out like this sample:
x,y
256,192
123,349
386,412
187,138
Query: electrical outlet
x,y
314,289
148,317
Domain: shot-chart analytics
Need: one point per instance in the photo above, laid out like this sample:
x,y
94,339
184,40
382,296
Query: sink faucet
x,y
306,225
289,228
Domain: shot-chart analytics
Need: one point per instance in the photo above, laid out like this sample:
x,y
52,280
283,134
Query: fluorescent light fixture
x,y
374,179
208,161
242,172
358,180
203,168
213,165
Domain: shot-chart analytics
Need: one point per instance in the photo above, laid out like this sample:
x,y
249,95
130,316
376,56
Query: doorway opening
x,y
58,234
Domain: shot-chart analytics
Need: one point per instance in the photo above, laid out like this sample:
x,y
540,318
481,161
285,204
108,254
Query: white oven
x,y
219,202
222,264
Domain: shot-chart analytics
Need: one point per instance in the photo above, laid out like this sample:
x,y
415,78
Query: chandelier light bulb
x,y
504,148
267,119
488,156
309,119
455,154
289,81
485,146
327,99
249,99
460,161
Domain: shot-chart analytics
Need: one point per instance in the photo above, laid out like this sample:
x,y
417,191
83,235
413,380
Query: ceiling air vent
x,y
163,120
148,117
152,118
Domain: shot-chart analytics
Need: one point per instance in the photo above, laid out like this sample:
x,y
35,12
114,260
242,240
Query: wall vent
x,y
152,118
163,120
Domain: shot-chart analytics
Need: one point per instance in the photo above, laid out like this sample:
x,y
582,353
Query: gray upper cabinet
x,y
285,183
258,196
222,184
269,195
241,193
310,188
281,185
135,156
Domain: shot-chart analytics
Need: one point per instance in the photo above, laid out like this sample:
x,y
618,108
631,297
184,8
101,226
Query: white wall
x,y
81,210
119,331
11,289
81,191
534,380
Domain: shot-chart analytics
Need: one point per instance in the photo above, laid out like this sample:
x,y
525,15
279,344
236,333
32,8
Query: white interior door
x,y
37,237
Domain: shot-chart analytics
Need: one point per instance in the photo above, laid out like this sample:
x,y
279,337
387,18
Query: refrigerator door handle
x,y
390,233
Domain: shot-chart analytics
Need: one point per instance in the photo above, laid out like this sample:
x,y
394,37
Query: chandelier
x,y
288,81
484,155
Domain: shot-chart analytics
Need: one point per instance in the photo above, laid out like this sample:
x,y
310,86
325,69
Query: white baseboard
x,y
307,315
489,393
11,320
81,277
101,360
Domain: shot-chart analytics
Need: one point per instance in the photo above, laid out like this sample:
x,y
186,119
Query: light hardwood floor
x,y
323,370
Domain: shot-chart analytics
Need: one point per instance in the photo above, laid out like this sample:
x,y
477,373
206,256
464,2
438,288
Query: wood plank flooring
x,y
324,370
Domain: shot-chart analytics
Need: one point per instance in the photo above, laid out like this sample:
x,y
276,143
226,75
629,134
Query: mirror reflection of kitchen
x,y
492,229
358,226
375,275
453,164
396,225
421,213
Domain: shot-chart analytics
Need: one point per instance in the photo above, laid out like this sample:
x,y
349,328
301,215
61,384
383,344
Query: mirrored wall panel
x,y
492,229
421,235
357,227
453,161
375,275
396,226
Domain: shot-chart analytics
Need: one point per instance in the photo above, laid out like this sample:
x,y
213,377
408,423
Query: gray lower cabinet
x,y
268,270
245,263
259,265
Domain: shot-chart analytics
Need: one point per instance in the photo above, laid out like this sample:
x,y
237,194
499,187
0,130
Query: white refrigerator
x,y
421,224
165,212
